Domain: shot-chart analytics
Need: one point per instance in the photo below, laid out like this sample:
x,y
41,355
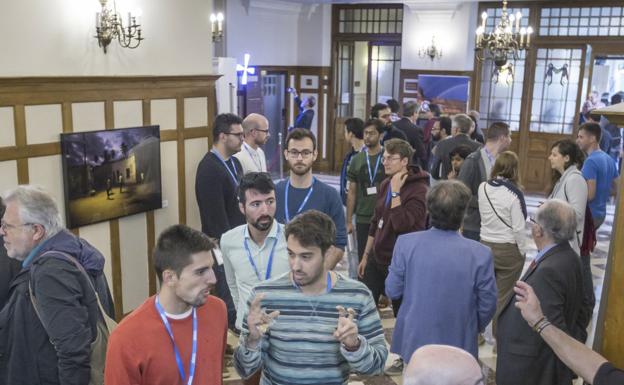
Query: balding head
x,y
442,365
256,128
557,220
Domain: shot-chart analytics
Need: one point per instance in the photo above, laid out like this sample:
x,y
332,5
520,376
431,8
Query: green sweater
x,y
358,173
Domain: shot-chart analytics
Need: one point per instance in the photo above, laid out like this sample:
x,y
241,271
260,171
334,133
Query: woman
x,y
503,221
566,159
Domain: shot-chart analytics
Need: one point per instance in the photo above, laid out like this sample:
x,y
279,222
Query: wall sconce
x,y
431,51
216,26
109,25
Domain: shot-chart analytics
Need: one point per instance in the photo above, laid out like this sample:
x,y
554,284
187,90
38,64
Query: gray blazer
x,y
572,188
443,150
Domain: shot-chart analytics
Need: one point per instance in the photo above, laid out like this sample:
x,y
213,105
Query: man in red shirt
x,y
176,337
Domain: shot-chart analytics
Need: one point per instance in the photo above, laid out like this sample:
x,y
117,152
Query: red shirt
x,y
140,350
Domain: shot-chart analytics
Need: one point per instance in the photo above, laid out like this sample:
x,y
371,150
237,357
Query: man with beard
x,y
311,325
216,182
383,112
255,251
178,335
302,191
251,156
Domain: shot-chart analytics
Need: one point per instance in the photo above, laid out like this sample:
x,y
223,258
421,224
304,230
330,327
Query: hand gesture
x,y
347,331
528,303
397,181
349,228
258,321
362,266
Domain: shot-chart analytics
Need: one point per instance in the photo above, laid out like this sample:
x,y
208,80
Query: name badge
x,y
371,190
380,224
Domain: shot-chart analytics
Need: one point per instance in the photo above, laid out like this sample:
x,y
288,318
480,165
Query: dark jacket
x,y
9,268
393,133
59,353
305,117
473,173
443,150
217,196
415,137
410,216
523,358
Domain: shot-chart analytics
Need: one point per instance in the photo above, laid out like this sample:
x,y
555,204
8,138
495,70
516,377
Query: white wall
x,y
276,32
453,27
55,38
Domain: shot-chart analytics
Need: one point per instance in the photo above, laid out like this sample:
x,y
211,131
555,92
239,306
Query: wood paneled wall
x,y
34,111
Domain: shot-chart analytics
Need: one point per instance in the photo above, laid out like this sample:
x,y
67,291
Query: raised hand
x,y
258,321
347,331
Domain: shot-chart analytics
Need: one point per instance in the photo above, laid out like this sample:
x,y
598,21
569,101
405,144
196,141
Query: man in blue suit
x,y
446,281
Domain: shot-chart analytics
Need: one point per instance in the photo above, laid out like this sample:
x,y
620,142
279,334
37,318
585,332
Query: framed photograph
x,y
110,174
450,93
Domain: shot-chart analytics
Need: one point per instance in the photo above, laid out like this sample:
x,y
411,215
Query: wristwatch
x,y
394,194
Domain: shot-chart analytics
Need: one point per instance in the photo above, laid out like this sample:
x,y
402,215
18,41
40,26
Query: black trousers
x,y
222,290
375,279
589,299
361,234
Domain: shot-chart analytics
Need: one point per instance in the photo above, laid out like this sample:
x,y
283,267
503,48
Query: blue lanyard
x,y
267,274
192,365
327,290
388,197
252,157
371,175
305,200
232,174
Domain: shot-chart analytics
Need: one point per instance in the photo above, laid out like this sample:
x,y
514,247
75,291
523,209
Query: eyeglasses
x,y
238,134
305,154
386,159
6,227
259,130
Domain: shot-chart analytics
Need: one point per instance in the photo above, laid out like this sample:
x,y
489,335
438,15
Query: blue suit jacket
x,y
448,288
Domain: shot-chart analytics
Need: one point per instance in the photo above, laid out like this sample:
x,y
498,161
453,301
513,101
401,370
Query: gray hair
x,y
463,123
558,220
446,203
36,206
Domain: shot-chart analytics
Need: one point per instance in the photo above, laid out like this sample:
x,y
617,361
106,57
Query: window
x,y
385,70
582,21
370,20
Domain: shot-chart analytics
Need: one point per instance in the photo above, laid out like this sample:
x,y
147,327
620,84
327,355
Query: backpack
x,y
104,324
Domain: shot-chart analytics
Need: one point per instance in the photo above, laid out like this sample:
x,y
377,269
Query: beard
x,y
300,168
263,223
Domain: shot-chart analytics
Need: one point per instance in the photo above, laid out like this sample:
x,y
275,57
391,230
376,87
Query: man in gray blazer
x,y
523,358
461,130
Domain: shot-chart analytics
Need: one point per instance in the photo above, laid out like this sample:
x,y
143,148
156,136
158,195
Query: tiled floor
x,y
486,355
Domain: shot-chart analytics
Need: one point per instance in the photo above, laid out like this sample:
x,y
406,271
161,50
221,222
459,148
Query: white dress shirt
x,y
252,160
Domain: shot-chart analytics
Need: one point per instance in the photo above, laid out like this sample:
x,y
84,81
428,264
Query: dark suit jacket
x,y
523,358
444,148
9,268
392,133
414,136
304,119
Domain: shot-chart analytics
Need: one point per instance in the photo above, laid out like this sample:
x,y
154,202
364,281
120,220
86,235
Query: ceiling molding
x,y
281,6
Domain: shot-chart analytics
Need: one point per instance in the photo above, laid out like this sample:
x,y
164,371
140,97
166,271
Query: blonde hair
x,y
506,166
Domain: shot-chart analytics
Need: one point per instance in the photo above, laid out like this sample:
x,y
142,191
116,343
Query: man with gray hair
x,y
523,358
461,130
50,319
446,281
256,133
442,365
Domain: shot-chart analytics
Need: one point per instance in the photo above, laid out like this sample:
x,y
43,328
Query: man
x,y
477,134
365,175
461,130
440,131
256,251
383,112
414,134
302,191
606,139
306,110
216,183
555,274
353,134
589,365
599,169
256,132
442,365
394,109
477,168
310,326
180,331
9,267
49,344
456,274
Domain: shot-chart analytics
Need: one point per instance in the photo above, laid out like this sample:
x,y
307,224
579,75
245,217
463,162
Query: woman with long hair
x,y
566,160
503,222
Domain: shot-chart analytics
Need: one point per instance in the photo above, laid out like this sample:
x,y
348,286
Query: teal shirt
x,y
300,348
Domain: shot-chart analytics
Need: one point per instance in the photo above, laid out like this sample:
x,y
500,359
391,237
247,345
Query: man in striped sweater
x,y
310,325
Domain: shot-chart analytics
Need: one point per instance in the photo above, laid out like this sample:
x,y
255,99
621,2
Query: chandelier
x,y
504,42
431,51
109,25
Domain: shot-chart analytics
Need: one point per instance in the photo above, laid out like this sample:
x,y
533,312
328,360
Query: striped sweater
x,y
299,348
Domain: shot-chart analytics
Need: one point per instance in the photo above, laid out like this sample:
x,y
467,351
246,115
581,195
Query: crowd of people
x,y
435,219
